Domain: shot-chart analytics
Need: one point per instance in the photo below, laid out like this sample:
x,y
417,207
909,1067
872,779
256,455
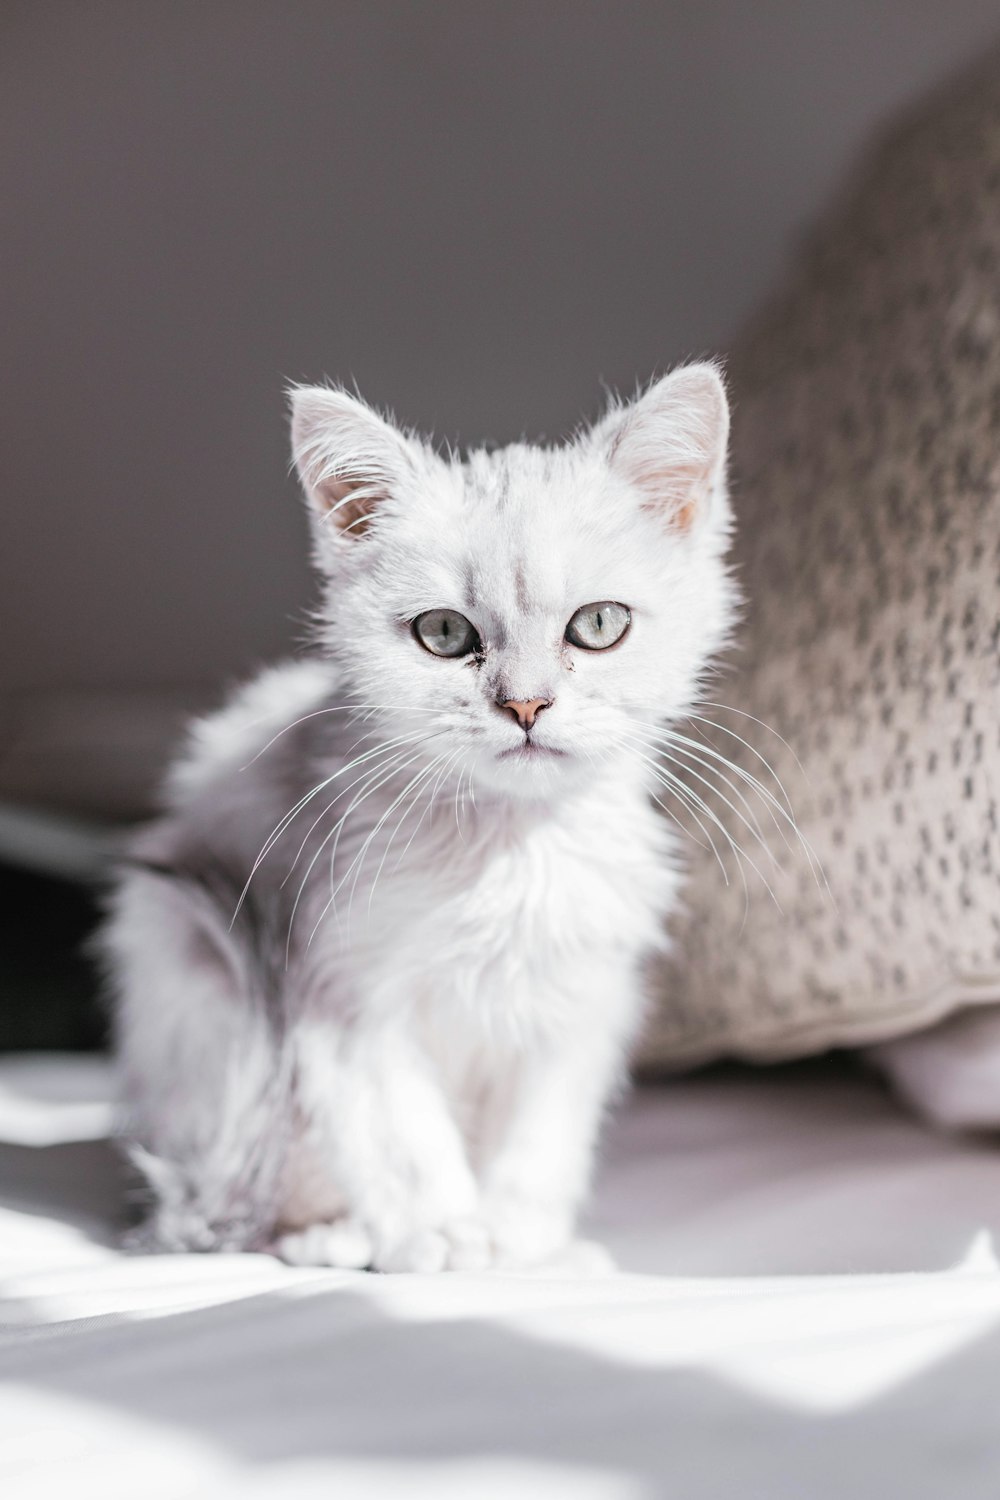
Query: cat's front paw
x,y
524,1233
347,1244
344,1244
531,1237
461,1244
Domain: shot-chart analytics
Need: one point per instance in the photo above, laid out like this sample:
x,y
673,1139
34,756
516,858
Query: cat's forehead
x,y
518,531
526,499
508,478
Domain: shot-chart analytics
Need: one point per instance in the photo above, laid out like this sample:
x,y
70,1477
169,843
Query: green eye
x,y
595,627
444,632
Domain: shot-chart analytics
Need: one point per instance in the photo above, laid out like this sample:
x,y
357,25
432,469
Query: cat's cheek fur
x,y
377,970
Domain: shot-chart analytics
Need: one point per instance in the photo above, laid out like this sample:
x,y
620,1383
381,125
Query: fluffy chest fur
x,y
490,923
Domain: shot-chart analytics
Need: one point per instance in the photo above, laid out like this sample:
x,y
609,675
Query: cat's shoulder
x,y
257,711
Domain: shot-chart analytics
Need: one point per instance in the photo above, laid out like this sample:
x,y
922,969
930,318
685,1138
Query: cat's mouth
x,y
530,750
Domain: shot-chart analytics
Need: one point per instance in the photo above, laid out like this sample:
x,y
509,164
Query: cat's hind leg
x,y
204,1077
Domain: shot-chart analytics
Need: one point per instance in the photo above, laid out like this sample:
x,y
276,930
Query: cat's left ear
x,y
670,444
348,458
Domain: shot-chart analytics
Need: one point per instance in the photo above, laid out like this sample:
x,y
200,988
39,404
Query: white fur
x,y
398,1052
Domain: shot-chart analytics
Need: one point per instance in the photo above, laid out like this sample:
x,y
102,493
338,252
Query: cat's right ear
x,y
348,458
670,445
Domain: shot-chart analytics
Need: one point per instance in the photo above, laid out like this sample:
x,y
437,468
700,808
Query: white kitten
x,y
442,832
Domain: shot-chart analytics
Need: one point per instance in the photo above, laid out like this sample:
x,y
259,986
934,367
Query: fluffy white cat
x,y
379,963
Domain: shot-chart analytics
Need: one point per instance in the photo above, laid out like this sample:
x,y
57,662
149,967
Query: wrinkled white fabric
x,y
807,1305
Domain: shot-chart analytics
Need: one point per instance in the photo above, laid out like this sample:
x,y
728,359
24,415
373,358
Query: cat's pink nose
x,y
526,712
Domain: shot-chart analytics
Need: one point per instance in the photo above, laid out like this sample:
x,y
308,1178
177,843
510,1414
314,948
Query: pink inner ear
x,y
673,492
684,514
349,459
672,443
350,503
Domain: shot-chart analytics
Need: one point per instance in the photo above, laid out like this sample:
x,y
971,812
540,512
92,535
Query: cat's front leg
x,y
375,1109
535,1179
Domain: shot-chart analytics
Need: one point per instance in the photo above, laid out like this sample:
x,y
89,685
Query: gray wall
x,y
477,211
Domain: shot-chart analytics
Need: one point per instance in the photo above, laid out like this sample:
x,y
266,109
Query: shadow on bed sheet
x,y
82,1184
273,1383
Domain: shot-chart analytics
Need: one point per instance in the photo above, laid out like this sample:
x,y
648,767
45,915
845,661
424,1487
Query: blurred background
x,y
480,213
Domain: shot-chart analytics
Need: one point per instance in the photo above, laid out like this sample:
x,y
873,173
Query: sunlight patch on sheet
x,y
812,1343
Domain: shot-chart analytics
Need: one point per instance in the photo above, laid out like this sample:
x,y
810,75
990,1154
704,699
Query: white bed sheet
x,y
807,1305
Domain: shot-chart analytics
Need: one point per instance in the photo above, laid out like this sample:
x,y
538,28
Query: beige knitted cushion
x,y
866,451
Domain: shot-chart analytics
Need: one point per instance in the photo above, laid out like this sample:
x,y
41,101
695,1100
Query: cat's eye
x,y
595,627
444,632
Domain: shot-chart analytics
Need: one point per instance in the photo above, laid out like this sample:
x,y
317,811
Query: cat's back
x,y
243,766
250,724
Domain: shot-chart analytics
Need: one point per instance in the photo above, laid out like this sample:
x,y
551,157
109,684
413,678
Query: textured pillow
x,y
866,450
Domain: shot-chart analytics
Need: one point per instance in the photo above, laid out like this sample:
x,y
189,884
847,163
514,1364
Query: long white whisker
x,y
781,813
458,783
381,775
710,846
358,860
670,780
749,821
674,784
684,795
689,771
597,758
704,746
421,783
357,863
289,817
430,805
392,748
387,765
333,708
677,788
342,771
726,708
343,823
712,766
